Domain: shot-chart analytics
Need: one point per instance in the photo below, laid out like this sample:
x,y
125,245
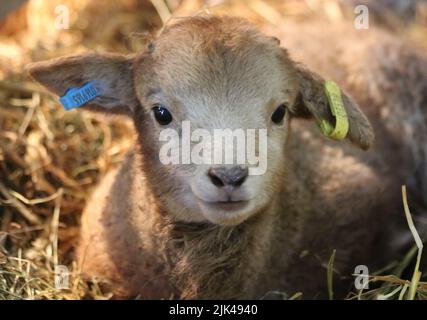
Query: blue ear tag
x,y
76,97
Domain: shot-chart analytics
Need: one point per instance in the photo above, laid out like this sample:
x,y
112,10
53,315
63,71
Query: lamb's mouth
x,y
227,205
226,213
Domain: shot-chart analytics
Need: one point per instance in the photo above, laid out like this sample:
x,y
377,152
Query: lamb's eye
x,y
279,114
162,115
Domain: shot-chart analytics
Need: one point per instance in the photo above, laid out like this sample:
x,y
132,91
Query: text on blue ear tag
x,y
76,97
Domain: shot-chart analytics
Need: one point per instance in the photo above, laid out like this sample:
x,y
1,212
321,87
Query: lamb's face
x,y
237,82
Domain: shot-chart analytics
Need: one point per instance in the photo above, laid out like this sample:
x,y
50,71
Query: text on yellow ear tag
x,y
333,94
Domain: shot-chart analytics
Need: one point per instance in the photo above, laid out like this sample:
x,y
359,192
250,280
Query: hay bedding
x,y
50,159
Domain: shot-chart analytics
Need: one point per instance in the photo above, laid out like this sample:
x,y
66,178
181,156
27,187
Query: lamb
x,y
198,231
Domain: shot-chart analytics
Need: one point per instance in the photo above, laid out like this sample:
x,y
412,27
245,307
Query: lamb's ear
x,y
313,102
111,74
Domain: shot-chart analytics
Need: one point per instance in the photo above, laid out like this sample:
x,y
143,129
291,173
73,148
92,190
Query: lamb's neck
x,y
210,261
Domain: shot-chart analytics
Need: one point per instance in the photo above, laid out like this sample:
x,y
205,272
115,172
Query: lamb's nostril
x,y
215,180
240,179
222,176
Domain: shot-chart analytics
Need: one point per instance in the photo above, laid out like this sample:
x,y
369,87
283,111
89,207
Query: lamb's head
x,y
202,75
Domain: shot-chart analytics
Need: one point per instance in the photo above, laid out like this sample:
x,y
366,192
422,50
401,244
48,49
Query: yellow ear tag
x,y
333,93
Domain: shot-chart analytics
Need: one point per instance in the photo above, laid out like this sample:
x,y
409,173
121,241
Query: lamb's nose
x,y
224,176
